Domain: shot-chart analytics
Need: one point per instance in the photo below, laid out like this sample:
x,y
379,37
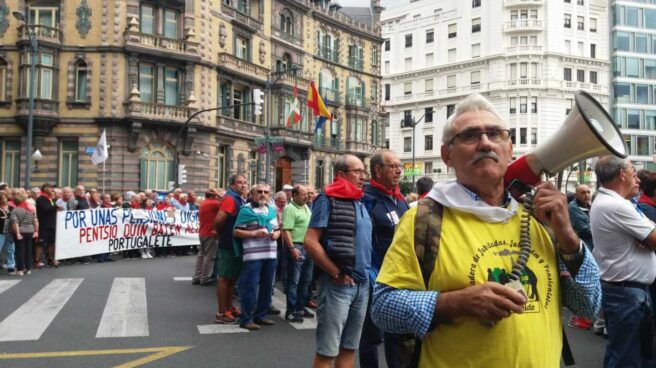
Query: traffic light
x,y
182,174
258,100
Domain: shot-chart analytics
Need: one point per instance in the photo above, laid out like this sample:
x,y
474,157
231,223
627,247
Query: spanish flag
x,y
319,109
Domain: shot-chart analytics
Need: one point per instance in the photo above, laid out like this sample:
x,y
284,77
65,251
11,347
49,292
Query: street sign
x,y
90,150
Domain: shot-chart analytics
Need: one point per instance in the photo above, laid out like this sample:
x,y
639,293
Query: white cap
x,y
287,187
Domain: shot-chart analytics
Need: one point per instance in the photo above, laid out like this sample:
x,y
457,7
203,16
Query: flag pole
x,y
104,177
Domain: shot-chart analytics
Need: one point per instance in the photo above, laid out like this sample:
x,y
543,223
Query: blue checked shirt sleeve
x,y
403,311
581,294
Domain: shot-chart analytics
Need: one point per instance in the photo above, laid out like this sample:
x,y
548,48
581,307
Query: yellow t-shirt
x,y
473,252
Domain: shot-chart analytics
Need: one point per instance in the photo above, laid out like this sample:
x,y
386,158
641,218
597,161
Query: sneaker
x,y
28,272
208,283
264,322
293,317
225,318
580,323
599,327
251,326
312,304
306,313
235,312
273,311
16,273
195,281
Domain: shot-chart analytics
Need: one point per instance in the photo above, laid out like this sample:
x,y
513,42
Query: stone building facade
x,y
140,69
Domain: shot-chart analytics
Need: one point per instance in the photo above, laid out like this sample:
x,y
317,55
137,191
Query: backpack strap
x,y
428,230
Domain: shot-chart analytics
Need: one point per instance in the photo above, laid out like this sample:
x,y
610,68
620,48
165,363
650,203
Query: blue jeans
x,y
255,288
299,275
10,250
340,316
624,308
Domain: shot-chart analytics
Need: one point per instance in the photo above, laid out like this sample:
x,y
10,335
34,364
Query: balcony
x,y
520,25
44,34
242,67
185,47
360,148
357,102
42,107
356,63
155,111
523,82
240,128
328,54
573,85
524,49
522,3
241,16
329,143
293,80
293,136
330,96
288,37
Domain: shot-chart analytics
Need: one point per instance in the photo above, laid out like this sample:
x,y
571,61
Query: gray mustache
x,y
479,155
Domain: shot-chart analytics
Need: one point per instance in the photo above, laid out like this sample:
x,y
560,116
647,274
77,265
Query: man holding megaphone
x,y
476,289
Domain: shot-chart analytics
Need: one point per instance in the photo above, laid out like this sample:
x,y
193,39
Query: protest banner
x,y
102,230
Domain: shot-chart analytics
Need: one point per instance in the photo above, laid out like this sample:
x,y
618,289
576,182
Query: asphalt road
x,y
64,317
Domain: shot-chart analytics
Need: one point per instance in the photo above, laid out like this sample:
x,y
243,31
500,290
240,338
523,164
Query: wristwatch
x,y
576,256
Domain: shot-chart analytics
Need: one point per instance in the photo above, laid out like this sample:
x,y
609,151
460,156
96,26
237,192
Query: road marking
x,y
6,284
307,324
182,279
220,329
30,321
158,353
126,312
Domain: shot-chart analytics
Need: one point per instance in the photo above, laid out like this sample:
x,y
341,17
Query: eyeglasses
x,y
262,192
358,171
398,166
471,136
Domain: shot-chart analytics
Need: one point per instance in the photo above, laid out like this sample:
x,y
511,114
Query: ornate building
x,y
140,69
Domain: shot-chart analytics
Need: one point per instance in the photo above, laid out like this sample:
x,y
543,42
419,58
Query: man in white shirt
x,y
624,241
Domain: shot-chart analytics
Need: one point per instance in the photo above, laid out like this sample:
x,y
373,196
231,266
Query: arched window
x,y
287,22
286,61
328,86
354,92
157,165
81,71
375,133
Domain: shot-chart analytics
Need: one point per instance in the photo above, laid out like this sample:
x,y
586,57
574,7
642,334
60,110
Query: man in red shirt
x,y
209,241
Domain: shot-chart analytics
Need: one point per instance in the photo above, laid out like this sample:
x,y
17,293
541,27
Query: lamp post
x,y
36,156
404,123
34,45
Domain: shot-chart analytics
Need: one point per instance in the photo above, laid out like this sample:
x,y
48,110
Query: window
x,y
450,109
513,134
356,126
622,92
534,137
451,56
408,63
407,144
387,92
375,133
633,119
476,25
375,56
151,17
513,105
642,145
356,55
319,176
429,59
569,103
623,41
580,23
522,105
476,50
287,22
387,44
428,115
157,165
534,105
147,19
593,24
242,48
593,50
641,43
171,87
579,2
642,94
593,77
430,35
387,67
580,75
475,77
428,143
407,119
428,167
10,162
148,85
81,81
171,24
44,85
522,135
3,79
428,85
354,92
408,40
632,17
407,88
44,16
567,74
568,21
476,3
68,156
451,81
452,30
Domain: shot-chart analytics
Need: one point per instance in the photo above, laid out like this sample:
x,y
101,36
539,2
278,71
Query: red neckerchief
x,y
343,189
134,204
395,193
106,205
148,207
421,196
647,200
163,206
80,197
184,203
46,196
26,206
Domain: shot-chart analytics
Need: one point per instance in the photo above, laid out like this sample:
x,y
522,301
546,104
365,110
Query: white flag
x,y
100,154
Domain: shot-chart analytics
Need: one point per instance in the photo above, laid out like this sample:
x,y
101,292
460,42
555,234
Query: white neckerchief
x,y
454,195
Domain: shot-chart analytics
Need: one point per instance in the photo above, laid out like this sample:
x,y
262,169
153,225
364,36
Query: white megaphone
x,y
587,132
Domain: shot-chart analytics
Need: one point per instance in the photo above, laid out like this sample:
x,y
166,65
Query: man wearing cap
x,y
209,208
288,190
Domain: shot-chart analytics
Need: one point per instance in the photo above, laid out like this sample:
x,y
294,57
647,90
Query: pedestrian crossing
x,y
125,312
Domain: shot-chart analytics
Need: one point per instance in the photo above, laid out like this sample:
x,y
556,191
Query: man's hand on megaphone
x,y
551,208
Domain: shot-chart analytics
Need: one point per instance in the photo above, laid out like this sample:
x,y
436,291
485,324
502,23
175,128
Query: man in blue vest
x,y
338,240
229,262
386,205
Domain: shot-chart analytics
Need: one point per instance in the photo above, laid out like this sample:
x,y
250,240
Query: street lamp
x,y
37,156
409,120
30,115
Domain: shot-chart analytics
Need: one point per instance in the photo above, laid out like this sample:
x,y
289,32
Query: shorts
x,y
340,316
46,236
229,264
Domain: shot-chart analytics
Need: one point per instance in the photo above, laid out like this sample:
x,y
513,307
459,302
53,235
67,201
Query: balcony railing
x,y
329,95
356,63
239,65
42,33
356,101
293,80
186,45
359,147
42,107
524,82
155,111
238,126
242,16
293,135
524,49
329,54
328,142
523,25
291,38
511,3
